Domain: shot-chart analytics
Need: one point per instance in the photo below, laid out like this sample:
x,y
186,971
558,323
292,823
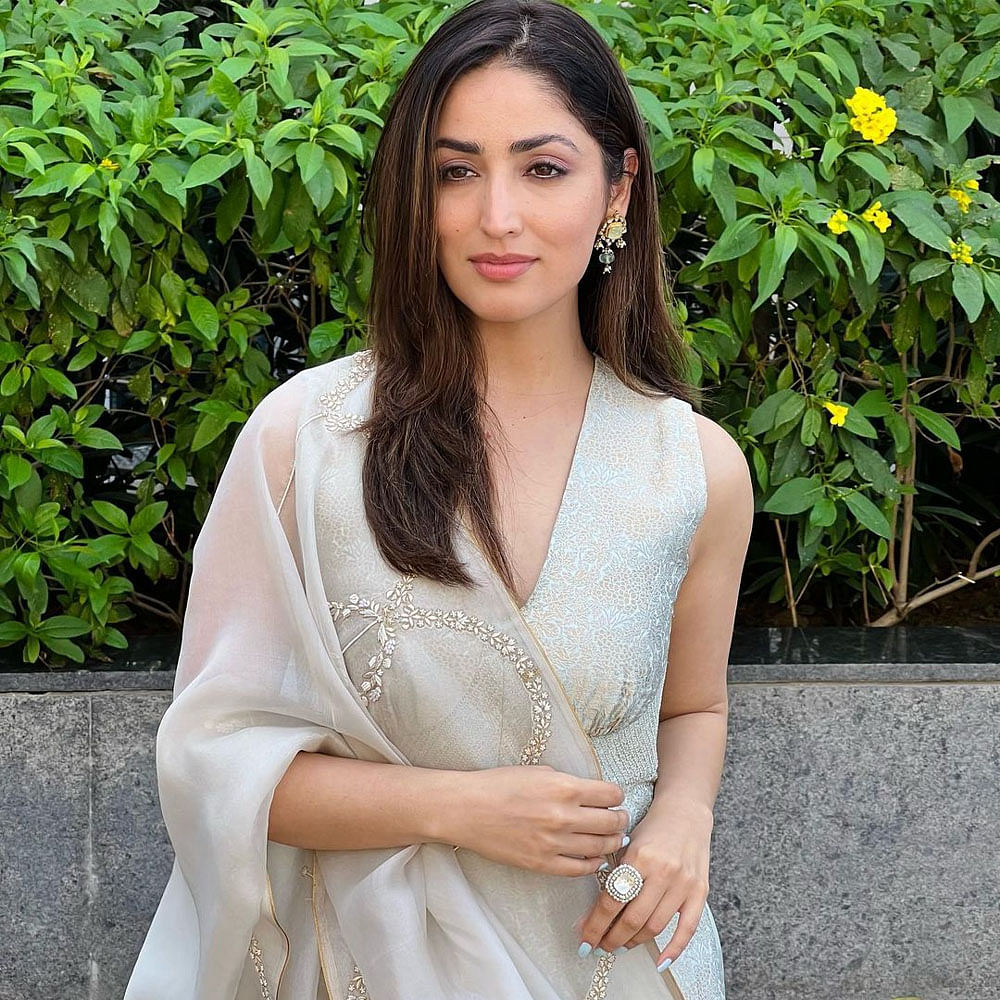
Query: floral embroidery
x,y
356,989
397,611
599,987
258,962
331,401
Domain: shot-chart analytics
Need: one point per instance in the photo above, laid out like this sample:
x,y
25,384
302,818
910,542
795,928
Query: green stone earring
x,y
610,233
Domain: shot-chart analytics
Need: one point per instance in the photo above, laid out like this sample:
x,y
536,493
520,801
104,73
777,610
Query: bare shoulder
x,y
730,505
725,463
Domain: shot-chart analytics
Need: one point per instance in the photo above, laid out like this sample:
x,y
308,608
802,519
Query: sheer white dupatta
x,y
265,671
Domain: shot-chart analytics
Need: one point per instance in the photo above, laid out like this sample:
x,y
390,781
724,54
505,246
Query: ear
x,y
621,191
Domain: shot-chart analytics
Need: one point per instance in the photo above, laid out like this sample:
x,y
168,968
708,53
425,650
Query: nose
x,y
501,211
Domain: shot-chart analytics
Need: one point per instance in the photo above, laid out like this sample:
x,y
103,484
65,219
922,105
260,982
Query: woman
x,y
423,719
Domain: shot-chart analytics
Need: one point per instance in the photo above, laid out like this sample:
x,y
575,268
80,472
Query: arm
x,y
694,707
536,817
329,803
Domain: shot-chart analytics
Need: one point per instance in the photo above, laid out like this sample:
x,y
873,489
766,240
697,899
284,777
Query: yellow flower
x,y
837,223
110,164
877,217
865,102
960,251
872,118
964,201
838,413
973,184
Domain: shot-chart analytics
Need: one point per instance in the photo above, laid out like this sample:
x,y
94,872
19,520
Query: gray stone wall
x,y
854,855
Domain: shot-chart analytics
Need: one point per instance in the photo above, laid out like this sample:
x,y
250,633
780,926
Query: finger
x,y
599,919
587,845
602,821
631,921
574,867
600,793
690,916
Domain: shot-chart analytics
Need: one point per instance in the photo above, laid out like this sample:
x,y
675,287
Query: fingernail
x,y
585,950
626,840
621,950
664,964
604,866
600,952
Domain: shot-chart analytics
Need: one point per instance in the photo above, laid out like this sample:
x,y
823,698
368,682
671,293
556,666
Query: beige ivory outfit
x,y
299,636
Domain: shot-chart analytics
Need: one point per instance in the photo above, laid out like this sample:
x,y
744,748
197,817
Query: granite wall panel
x,y
854,853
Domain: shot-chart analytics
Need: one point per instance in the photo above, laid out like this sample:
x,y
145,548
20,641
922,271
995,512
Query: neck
x,y
530,366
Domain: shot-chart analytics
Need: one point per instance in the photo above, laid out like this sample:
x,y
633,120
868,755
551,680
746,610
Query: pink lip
x,y
501,272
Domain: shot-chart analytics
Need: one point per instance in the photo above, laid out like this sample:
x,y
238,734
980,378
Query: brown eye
x,y
546,165
445,175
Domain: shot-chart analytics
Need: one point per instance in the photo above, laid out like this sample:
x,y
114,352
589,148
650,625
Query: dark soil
x,y
975,604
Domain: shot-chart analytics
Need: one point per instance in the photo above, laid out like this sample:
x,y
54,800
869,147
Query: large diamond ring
x,y
623,883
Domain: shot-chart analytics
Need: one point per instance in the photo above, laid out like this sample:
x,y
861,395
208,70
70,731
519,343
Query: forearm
x,y
691,749
335,804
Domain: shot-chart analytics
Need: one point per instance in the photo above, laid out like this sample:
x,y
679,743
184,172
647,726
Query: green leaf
x,y
795,496
204,316
868,514
936,425
773,260
87,288
736,240
96,437
110,515
227,92
381,24
63,627
810,429
871,165
325,337
209,168
702,165
148,518
309,157
906,323
823,513
653,110
58,382
967,284
958,115
763,417
871,249
991,283
916,212
260,178
922,270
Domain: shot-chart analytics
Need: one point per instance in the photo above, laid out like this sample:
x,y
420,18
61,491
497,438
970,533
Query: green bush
x,y
179,231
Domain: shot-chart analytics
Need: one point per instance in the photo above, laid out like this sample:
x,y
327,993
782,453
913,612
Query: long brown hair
x,y
426,459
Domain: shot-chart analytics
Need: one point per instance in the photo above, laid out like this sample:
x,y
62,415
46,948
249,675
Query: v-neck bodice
x,y
603,604
600,374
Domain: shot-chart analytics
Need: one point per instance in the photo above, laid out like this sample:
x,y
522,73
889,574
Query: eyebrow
x,y
518,146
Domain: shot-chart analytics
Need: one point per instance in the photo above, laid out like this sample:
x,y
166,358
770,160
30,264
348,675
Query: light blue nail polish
x,y
600,952
626,840
585,950
663,965
621,950
604,867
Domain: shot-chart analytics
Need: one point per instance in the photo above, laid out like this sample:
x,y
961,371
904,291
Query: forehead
x,y
496,105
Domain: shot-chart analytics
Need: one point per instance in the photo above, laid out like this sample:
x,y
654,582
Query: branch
x,y
957,582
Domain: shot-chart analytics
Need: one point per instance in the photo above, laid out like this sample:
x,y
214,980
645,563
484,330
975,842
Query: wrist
x,y
444,808
673,806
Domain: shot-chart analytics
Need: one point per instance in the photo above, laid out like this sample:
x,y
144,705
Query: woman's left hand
x,y
670,848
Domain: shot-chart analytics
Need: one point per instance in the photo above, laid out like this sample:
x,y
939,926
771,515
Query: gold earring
x,y
611,232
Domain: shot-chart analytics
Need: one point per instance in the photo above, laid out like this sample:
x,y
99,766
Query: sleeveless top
x,y
604,600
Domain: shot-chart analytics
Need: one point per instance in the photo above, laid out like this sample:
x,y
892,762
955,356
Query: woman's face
x,y
545,202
